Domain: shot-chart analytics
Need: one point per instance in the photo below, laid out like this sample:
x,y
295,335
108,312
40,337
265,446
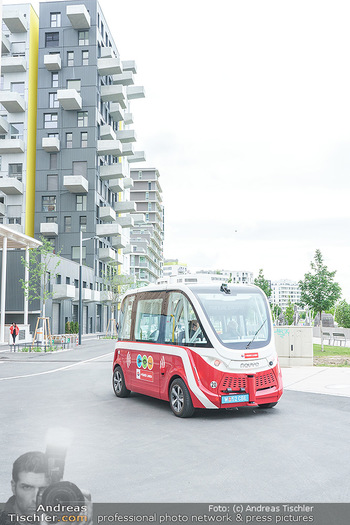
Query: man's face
x,y
26,490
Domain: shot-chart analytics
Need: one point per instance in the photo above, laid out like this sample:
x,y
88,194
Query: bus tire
x,y
180,399
119,387
267,405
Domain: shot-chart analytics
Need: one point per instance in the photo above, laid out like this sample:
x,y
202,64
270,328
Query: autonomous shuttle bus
x,y
198,346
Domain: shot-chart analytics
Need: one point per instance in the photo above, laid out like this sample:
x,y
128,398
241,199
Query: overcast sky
x,y
247,119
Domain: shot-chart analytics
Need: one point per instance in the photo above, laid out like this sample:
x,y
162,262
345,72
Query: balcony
x,y
106,296
108,66
5,45
139,218
2,209
119,242
52,62
13,102
127,149
107,132
76,183
86,295
51,144
117,185
14,19
108,230
118,259
126,135
113,171
129,65
133,92
128,249
13,65
96,296
116,112
11,186
124,79
125,207
125,222
138,156
128,118
69,99
11,146
106,254
107,52
78,16
4,126
114,94
49,229
128,182
107,214
63,291
109,147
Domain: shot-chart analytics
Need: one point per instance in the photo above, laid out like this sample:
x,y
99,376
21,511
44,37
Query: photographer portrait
x,y
38,492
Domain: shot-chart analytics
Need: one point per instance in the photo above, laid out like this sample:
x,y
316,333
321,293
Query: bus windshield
x,y
240,319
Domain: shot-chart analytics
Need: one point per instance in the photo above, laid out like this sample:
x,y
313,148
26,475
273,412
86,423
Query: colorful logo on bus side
x,y
144,362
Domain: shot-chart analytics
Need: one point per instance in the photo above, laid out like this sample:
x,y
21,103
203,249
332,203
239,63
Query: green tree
x,y
289,313
42,267
342,314
318,289
263,283
276,312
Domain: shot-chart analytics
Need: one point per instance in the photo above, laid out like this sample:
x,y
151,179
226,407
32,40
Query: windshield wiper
x,y
256,333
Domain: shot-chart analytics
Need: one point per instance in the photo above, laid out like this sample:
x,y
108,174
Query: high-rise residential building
x,y
18,95
66,143
284,291
146,261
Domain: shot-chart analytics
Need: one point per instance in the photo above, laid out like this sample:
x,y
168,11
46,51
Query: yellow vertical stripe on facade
x,y
31,121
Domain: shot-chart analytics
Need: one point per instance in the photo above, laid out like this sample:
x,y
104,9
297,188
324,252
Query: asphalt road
x,y
136,450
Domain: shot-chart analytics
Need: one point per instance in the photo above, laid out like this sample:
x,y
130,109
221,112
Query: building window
x,y
53,161
50,120
58,278
83,139
83,38
70,58
53,102
85,58
140,175
67,280
51,220
54,79
17,87
52,182
15,170
82,119
147,217
49,203
76,253
14,220
67,224
147,195
69,140
74,84
52,40
83,223
55,19
81,202
80,168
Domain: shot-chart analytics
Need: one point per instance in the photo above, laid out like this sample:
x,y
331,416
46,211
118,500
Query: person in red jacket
x,y
14,332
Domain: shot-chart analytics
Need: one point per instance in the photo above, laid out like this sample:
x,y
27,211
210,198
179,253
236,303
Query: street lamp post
x,y
80,320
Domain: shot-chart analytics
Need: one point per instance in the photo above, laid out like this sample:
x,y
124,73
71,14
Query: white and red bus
x,y
198,346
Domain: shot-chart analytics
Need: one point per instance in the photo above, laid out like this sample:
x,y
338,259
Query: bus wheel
x,y
180,399
267,405
119,387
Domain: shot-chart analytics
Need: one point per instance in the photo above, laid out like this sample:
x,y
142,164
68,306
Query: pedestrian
x,y
14,330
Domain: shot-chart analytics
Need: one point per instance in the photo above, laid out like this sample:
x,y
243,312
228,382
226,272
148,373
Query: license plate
x,y
239,398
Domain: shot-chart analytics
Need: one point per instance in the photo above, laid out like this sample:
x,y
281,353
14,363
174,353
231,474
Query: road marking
x,y
56,369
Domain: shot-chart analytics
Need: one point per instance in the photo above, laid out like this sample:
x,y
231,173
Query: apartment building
x,y
284,291
146,261
66,145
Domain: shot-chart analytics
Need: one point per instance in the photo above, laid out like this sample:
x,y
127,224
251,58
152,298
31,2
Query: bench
x,y
339,337
327,335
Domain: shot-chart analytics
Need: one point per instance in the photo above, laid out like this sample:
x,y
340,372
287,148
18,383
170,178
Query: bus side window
x,y
125,317
148,320
182,325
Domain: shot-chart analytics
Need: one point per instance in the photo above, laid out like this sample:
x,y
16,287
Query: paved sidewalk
x,y
318,379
